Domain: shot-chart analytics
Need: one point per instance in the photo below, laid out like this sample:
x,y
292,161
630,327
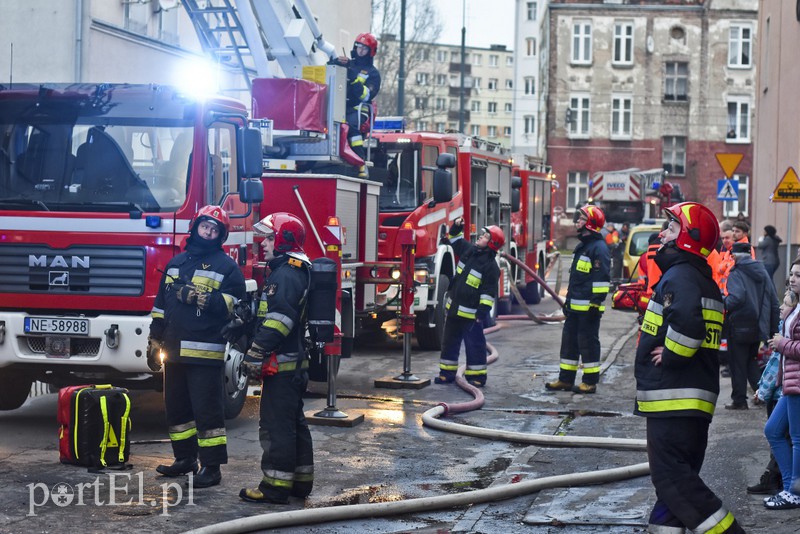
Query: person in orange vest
x,y
741,234
615,249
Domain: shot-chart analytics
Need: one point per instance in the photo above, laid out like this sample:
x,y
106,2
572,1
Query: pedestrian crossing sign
x,y
788,189
727,189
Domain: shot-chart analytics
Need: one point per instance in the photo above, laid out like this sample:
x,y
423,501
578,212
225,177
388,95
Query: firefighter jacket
x,y
282,310
473,290
191,333
684,317
589,275
751,305
363,81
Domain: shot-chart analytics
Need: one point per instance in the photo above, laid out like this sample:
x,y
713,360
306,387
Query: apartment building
x,y
530,78
652,84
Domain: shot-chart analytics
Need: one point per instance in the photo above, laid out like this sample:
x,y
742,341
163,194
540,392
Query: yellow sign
x,y
788,189
729,162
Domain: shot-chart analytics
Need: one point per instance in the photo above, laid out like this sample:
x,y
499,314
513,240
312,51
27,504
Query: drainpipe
x,y
78,40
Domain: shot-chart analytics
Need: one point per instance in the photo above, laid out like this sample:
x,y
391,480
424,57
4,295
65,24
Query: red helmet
x,y
699,227
368,40
595,218
496,237
289,231
212,213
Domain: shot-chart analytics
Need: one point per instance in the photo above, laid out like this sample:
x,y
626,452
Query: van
x,y
635,246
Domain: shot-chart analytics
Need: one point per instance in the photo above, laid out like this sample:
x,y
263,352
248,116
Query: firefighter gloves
x,y
256,352
187,294
154,350
253,370
457,227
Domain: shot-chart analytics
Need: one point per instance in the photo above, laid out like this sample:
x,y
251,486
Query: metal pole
x,y
463,65
331,411
789,239
401,79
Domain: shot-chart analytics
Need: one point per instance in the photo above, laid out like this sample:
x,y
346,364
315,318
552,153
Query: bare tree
x,y
423,28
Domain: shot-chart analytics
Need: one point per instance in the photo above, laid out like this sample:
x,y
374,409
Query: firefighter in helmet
x,y
195,300
363,84
469,300
677,374
278,357
586,293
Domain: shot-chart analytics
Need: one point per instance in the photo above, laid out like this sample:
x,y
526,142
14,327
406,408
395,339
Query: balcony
x,y
453,115
456,68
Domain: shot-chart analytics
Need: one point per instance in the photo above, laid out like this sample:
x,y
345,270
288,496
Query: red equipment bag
x,y
629,297
94,426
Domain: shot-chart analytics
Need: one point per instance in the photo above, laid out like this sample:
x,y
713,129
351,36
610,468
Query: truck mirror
x,y
515,200
250,162
251,191
446,161
516,182
442,184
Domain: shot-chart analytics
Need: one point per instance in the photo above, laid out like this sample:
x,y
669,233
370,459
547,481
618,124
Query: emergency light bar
x,y
390,124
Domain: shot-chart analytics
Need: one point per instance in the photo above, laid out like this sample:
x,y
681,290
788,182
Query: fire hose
x,y
495,493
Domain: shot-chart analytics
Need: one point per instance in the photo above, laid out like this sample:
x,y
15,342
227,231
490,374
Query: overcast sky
x,y
487,21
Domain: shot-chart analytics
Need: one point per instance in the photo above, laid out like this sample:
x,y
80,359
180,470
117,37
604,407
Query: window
x,y
441,56
509,84
623,42
222,175
475,106
492,131
476,83
509,61
493,84
621,116
168,26
507,131
507,107
529,123
579,116
530,85
420,102
732,208
494,60
582,42
455,57
676,81
530,8
674,156
577,189
135,17
441,79
492,107
477,59
441,103
423,53
475,130
530,46
738,120
422,126
455,104
740,45
422,78
440,127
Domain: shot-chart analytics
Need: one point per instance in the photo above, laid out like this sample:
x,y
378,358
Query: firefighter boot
x,y
209,475
179,467
584,388
558,385
263,495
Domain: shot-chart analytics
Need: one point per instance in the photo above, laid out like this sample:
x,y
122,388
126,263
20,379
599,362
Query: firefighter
x,y
469,300
363,85
584,306
194,302
278,357
677,374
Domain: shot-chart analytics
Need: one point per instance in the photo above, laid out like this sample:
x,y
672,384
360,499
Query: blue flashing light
x,y
389,124
153,221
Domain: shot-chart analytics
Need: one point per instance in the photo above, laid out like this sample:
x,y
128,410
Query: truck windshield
x,y
110,166
397,168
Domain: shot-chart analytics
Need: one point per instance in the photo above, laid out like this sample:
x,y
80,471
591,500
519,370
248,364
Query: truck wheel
x,y
14,389
234,382
430,338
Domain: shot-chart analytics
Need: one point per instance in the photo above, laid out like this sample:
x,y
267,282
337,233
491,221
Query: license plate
x,y
57,325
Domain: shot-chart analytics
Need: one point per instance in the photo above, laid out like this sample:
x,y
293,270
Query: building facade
x,y
652,84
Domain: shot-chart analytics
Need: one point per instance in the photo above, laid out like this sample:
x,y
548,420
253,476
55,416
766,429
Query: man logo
x,y
59,278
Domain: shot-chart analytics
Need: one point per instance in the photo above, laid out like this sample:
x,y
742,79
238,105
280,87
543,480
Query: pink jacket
x,y
790,361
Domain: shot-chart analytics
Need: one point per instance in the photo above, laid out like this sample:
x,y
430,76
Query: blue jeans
x,y
785,416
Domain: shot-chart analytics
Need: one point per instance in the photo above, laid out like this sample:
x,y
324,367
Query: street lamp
x,y
463,65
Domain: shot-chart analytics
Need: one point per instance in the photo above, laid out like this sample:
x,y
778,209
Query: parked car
x,y
636,245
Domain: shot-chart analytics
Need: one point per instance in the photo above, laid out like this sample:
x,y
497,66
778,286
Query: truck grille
x,y
79,346
82,270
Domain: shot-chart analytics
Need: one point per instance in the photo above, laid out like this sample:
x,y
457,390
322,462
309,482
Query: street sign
x,y
788,189
729,162
727,189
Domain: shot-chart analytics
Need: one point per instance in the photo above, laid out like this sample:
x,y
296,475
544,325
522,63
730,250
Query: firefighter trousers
x,y
287,461
470,331
195,406
580,341
676,448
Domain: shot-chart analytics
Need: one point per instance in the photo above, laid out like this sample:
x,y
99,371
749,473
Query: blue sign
x,y
727,189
